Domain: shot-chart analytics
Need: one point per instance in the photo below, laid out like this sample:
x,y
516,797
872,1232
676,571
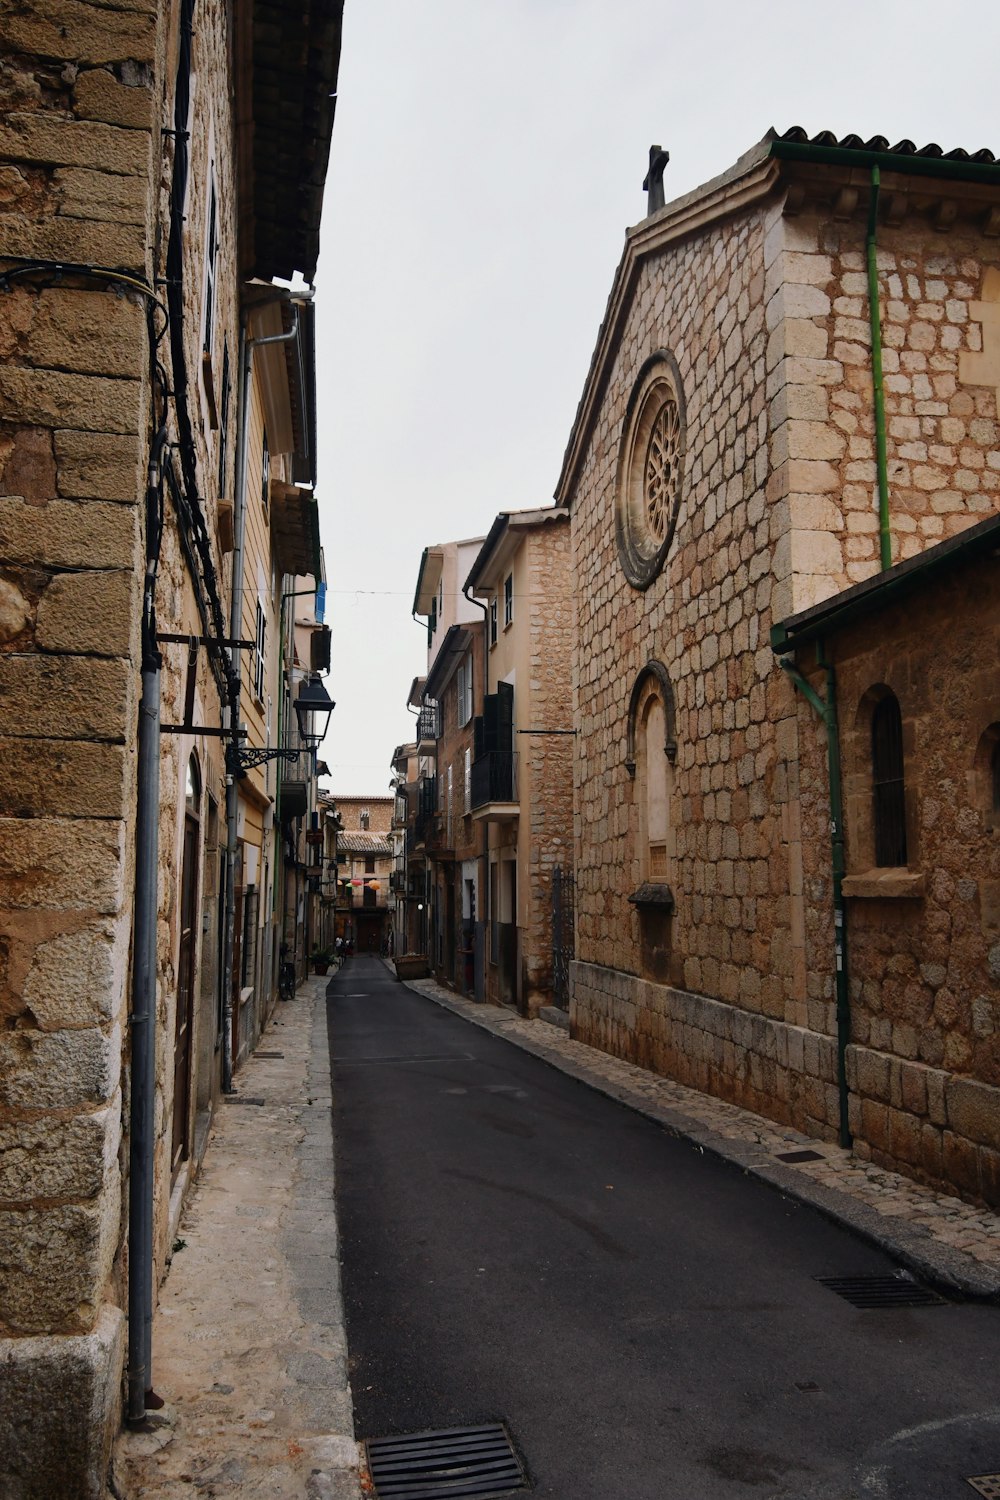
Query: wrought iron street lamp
x,y
313,708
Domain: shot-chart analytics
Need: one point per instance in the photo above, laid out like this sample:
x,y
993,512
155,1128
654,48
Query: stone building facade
x,y
364,904
726,472
129,224
522,771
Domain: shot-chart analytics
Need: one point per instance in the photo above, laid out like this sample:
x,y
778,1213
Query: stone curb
x,y
945,1266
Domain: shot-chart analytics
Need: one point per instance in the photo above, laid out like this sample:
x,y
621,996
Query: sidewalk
x,y
249,1350
941,1239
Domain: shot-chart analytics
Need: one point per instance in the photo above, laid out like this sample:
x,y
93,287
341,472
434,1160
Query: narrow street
x,y
645,1319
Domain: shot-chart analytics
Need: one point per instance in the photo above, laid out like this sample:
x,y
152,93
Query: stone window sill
x,y
653,894
889,884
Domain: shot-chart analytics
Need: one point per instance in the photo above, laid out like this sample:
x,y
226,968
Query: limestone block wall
x,y
924,964
943,440
84,178
706,618
75,160
546,761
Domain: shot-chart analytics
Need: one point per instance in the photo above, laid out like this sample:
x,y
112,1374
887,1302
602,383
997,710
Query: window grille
x,y
887,783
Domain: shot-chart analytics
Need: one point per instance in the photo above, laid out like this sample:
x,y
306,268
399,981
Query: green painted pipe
x,y
881,461
827,711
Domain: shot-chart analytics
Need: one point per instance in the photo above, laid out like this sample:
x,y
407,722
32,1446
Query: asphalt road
x,y
645,1319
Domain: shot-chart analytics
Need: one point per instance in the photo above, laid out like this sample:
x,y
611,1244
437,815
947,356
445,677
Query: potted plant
x,y
322,958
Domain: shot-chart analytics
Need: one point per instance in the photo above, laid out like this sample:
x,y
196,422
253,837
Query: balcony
x,y
428,729
494,788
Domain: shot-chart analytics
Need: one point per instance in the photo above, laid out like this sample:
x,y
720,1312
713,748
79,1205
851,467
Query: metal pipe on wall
x,y
142,1084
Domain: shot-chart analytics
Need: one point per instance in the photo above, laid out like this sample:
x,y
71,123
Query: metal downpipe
x,y
881,461
142,1085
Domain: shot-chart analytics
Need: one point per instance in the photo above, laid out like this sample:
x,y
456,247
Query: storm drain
x,y
801,1156
987,1485
243,1099
446,1464
900,1290
268,1056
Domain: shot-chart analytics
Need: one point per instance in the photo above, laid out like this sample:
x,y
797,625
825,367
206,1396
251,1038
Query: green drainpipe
x,y
827,711
881,464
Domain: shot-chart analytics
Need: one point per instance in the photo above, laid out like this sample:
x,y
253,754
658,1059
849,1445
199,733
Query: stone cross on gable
x,y
984,368
653,181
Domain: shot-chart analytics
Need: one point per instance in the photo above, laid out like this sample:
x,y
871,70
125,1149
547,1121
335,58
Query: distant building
x,y
522,767
365,862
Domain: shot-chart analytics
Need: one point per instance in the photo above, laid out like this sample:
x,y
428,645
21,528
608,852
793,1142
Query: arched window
x,y
192,788
889,799
651,750
658,779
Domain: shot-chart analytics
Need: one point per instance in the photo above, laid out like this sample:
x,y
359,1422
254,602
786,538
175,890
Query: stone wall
x,y
705,618
942,437
83,177
923,945
548,759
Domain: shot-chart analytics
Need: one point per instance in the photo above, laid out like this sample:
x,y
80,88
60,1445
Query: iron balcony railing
x,y
494,779
429,724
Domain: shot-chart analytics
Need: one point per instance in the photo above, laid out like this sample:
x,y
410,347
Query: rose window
x,y
661,469
650,471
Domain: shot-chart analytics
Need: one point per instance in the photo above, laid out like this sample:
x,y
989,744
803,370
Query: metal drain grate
x,y
987,1485
268,1056
446,1464
801,1156
242,1099
882,1291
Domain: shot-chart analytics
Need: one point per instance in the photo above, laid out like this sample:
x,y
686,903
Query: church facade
x,y
786,847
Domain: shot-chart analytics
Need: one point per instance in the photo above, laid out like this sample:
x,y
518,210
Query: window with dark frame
x,y
265,476
369,864
508,600
493,620
889,800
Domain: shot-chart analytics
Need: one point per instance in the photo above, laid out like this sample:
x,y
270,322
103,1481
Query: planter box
x,y
412,966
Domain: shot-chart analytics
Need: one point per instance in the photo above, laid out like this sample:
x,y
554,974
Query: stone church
x,y
784,487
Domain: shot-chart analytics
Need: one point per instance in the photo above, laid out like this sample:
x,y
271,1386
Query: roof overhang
x,y
502,542
776,165
876,593
431,567
286,373
287,61
416,694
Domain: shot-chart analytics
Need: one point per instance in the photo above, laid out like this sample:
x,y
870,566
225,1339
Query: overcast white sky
x,y
487,157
